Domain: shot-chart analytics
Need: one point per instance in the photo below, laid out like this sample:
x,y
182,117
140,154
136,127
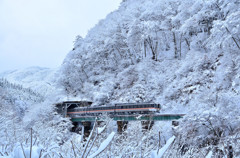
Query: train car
x,y
117,109
141,108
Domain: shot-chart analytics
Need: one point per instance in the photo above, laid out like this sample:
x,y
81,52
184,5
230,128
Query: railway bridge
x,y
81,113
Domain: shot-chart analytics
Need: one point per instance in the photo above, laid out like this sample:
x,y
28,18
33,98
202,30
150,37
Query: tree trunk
x,y
175,44
188,44
233,38
150,43
156,46
145,48
180,47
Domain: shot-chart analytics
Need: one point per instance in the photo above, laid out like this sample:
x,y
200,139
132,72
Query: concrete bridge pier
x,y
99,123
122,126
175,123
87,128
147,125
75,127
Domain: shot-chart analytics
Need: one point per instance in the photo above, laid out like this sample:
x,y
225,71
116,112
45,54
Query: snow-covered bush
x,y
198,133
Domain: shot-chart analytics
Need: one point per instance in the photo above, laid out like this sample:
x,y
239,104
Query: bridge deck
x,y
158,117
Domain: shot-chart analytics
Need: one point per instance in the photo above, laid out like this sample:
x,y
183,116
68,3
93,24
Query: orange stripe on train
x,y
113,110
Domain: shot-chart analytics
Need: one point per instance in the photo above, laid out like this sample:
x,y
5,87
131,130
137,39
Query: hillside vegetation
x,y
182,54
158,51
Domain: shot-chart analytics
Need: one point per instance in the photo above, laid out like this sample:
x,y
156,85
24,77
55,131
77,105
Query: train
x,y
116,109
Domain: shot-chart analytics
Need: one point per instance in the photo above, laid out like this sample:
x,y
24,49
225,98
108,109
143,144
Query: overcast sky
x,y
41,32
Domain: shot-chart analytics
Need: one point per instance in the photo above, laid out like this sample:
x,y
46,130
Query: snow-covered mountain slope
x,y
23,110
158,51
19,98
41,80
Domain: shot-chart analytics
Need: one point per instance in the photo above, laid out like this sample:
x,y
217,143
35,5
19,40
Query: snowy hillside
x,y
41,80
19,97
158,51
24,110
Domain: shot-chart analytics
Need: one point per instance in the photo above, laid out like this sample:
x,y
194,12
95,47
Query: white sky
x,y
41,32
